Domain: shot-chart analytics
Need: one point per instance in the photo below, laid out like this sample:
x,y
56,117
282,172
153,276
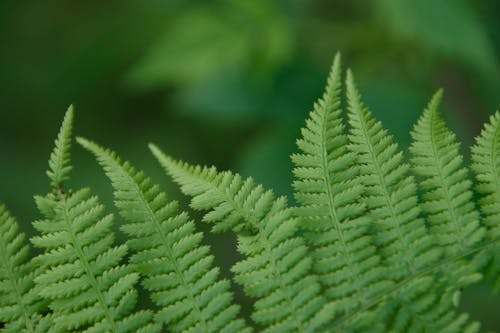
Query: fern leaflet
x,y
328,188
405,243
20,307
178,270
486,166
277,268
60,158
83,277
448,203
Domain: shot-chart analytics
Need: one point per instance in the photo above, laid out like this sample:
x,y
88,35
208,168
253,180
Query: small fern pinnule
x,y
20,307
277,268
404,242
486,167
328,188
83,277
447,195
178,271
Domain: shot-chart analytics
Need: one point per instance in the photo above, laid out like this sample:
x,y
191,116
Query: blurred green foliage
x,y
228,82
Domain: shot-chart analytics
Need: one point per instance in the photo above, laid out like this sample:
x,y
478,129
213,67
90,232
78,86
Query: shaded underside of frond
x,y
178,270
20,308
277,269
328,188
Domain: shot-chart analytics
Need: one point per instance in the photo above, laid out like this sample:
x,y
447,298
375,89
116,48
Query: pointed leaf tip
x,y
60,158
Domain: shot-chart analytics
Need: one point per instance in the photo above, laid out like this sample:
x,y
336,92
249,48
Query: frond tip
x,y
452,216
328,189
178,269
60,159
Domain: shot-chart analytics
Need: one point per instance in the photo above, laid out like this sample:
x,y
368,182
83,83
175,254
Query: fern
x,y
178,269
328,187
447,200
448,203
20,307
374,244
88,286
486,166
399,231
277,269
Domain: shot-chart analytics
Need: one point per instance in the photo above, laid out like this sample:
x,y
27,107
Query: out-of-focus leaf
x,y
207,40
446,27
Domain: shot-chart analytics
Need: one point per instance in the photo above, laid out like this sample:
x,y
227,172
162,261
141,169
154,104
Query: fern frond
x,y
486,166
59,162
84,278
328,188
390,191
277,268
446,188
20,308
179,271
405,244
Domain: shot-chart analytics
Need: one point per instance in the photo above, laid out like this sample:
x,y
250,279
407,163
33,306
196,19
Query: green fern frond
x,y
277,269
486,166
178,270
59,162
328,188
20,307
89,287
404,242
451,213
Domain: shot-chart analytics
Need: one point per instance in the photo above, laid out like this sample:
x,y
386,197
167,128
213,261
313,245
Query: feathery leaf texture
x,y
405,245
60,158
353,255
390,191
277,268
83,277
447,199
328,188
20,307
447,196
178,270
486,166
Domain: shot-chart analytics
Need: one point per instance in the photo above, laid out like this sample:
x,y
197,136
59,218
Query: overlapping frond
x,y
277,269
21,310
328,188
178,270
451,213
390,191
404,242
447,196
60,158
486,166
84,278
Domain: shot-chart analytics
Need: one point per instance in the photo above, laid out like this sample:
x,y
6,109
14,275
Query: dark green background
x,y
229,83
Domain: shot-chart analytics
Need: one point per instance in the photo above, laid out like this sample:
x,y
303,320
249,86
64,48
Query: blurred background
x,y
229,83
